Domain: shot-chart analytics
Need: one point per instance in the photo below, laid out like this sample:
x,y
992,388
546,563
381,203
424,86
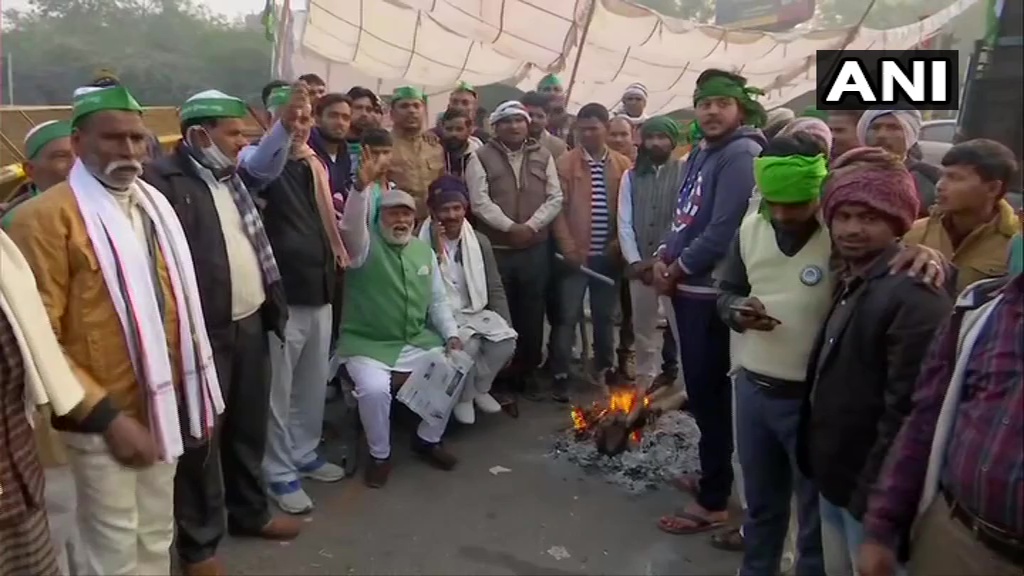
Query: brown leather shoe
x,y
281,528
208,567
377,472
434,454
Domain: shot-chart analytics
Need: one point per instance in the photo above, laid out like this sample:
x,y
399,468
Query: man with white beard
x,y
396,313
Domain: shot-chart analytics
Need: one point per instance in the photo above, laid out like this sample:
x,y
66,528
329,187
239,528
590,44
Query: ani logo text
x,y
858,80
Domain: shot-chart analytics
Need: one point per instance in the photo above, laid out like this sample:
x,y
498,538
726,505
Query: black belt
x,y
999,541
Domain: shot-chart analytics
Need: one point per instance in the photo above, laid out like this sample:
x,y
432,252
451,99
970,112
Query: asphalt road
x,y
543,518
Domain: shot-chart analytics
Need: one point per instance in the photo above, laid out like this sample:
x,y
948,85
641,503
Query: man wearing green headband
x,y
775,294
48,160
647,198
712,200
243,299
415,161
117,277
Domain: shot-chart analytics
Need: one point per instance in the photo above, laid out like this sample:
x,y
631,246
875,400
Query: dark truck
x,y
991,103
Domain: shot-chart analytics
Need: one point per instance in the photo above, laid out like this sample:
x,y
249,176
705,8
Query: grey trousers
x,y
298,390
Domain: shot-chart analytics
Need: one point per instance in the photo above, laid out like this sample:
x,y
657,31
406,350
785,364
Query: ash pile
x,y
663,448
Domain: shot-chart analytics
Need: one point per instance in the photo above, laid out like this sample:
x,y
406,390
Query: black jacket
x,y
861,376
303,251
176,177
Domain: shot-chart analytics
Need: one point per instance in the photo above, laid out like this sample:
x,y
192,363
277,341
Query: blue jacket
x,y
717,184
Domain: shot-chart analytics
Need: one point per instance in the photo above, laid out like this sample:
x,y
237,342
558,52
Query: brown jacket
x,y
982,254
414,165
572,226
51,234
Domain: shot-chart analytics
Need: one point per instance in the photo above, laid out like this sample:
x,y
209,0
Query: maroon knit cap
x,y
876,179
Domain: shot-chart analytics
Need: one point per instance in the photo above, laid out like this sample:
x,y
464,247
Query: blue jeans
x,y
841,537
766,433
603,301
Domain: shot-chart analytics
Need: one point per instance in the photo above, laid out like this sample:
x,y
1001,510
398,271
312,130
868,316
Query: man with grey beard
x,y
116,276
396,313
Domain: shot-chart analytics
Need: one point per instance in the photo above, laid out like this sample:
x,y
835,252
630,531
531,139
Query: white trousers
x,y
371,380
648,308
298,390
61,505
489,358
125,515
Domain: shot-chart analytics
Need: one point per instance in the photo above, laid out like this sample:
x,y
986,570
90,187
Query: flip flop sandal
x,y
688,483
671,524
730,540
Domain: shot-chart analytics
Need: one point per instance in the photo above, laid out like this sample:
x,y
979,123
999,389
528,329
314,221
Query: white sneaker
x,y
290,497
487,404
323,471
464,413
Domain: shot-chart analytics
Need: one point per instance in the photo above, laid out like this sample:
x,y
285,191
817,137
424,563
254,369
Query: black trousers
x,y
524,274
201,493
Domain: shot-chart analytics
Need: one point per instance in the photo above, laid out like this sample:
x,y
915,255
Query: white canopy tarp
x,y
436,43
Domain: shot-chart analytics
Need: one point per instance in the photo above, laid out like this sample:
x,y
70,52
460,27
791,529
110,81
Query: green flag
x,y
992,13
269,21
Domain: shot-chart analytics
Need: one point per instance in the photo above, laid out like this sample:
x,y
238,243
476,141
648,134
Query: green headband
x,y
465,87
408,93
812,112
43,134
549,81
722,87
693,133
212,104
790,179
89,100
279,97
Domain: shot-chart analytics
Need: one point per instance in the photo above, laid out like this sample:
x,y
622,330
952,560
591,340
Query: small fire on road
x,y
612,424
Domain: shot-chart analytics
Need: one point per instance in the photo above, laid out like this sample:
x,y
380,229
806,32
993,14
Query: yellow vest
x,y
797,290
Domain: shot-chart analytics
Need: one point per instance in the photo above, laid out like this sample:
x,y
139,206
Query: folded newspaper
x,y
434,387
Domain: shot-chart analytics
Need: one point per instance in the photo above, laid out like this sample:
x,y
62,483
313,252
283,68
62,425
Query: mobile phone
x,y
752,312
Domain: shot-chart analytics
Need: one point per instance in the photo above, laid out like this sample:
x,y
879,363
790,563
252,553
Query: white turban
x,y
910,120
508,109
635,89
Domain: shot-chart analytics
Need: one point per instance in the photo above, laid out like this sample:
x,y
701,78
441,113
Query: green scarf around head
x,y
790,179
722,87
657,125
549,81
693,133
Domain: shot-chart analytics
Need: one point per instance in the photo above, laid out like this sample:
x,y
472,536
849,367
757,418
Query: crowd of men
x,y
849,317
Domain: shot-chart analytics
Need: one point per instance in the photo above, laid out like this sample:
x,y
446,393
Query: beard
x,y
396,235
658,156
453,144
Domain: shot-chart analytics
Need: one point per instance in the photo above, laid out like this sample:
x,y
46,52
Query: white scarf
x,y
970,329
48,376
472,266
124,261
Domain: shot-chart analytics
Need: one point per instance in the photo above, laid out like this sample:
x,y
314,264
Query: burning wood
x,y
621,419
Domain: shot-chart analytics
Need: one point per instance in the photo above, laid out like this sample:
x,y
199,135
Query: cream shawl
x,y
48,376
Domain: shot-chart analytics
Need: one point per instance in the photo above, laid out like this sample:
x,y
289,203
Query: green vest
x,y
386,302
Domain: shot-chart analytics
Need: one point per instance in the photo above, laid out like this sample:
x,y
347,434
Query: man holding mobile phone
x,y
776,292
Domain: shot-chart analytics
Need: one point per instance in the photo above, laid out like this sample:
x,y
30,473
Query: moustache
x,y
116,165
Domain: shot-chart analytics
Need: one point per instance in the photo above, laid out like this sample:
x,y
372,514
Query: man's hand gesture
x,y
372,168
297,112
